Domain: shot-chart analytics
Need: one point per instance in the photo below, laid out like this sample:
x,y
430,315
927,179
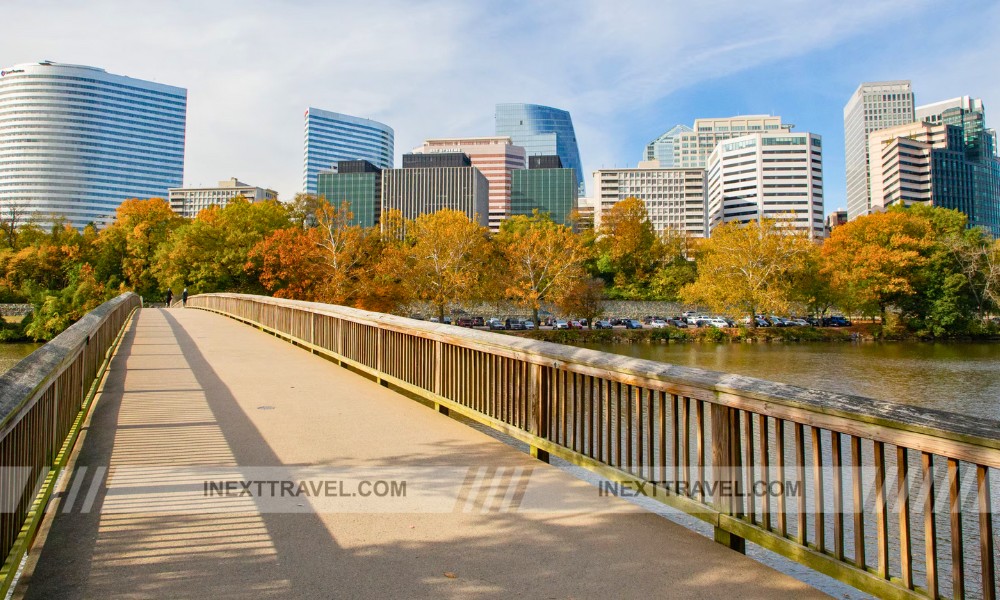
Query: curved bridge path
x,y
194,402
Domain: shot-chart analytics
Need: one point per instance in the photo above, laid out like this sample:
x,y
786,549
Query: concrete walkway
x,y
191,392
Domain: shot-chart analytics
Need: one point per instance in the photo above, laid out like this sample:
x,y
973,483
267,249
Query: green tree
x,y
210,253
127,249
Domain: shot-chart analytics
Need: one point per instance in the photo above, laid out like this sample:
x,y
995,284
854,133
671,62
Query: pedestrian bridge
x,y
196,452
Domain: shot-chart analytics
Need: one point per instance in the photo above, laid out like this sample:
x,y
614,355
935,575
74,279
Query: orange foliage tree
x,y
874,260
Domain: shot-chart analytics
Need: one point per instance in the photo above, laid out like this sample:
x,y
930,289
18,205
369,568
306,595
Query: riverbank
x,y
859,332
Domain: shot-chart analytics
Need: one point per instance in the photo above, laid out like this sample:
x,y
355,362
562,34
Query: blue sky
x,y
627,71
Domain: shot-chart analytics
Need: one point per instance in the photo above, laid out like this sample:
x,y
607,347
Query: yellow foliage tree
x,y
873,259
443,261
542,259
747,268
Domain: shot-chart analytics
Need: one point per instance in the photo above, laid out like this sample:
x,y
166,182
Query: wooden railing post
x,y
538,403
380,358
726,468
439,375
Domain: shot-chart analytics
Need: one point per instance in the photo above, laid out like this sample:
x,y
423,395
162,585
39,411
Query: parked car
x,y
757,321
698,320
836,321
632,324
798,322
464,322
574,324
495,324
517,325
529,324
678,323
561,325
602,324
477,321
618,322
717,322
657,323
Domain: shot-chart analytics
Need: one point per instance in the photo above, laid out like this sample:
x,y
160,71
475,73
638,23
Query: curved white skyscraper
x,y
76,141
332,137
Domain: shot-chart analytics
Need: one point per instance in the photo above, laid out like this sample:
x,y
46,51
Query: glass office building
x,y
662,148
77,141
332,137
541,130
551,191
359,184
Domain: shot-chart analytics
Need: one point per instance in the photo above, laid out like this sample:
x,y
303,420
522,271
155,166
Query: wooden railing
x,y
891,499
43,400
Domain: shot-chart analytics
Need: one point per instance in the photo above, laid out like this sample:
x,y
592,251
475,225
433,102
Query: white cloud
x,y
427,69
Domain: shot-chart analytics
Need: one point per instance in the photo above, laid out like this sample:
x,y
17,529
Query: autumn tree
x,y
443,260
210,253
583,298
127,249
875,258
291,263
541,259
628,249
747,268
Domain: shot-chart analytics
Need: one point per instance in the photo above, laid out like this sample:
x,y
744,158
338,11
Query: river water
x,y
957,377
11,354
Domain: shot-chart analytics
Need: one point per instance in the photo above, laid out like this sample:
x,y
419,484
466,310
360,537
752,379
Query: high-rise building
x,y
768,176
873,106
691,148
331,137
969,114
541,130
662,148
674,198
546,187
835,219
188,202
359,184
76,141
929,163
415,191
495,157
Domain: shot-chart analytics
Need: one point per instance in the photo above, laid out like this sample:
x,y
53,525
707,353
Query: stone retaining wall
x,y
15,310
627,309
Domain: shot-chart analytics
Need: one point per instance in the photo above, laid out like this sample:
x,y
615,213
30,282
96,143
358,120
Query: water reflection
x,y
11,354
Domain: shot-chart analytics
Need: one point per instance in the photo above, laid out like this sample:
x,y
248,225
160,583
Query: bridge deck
x,y
189,389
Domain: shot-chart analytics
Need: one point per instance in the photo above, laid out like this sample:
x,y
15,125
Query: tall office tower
x,y
359,184
662,148
873,106
691,148
674,198
188,202
930,163
76,141
768,176
546,187
541,130
428,183
495,157
331,137
969,114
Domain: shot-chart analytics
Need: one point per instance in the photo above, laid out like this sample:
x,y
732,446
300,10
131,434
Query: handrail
x,y
640,420
42,402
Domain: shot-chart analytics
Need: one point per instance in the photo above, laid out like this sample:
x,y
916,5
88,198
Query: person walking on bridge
x,y
170,297
184,298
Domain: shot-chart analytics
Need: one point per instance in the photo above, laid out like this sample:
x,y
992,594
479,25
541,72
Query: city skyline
x,y
439,71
